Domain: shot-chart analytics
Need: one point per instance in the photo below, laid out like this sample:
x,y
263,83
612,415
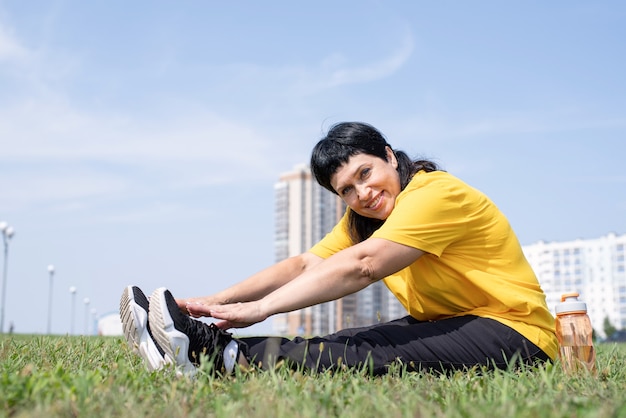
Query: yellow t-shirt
x,y
473,262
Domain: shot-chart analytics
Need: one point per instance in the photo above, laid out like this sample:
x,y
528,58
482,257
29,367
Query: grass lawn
x,y
99,377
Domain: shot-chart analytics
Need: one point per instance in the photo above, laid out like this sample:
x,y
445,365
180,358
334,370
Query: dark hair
x,y
347,139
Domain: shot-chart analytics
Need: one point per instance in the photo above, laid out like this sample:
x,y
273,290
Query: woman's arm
x,y
254,287
345,272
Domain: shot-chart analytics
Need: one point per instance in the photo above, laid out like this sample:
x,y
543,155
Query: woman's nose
x,y
362,191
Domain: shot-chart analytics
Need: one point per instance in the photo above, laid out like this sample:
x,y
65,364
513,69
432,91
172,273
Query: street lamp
x,y
51,272
94,314
86,301
73,293
7,234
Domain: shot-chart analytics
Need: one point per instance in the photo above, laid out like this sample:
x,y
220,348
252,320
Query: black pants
x,y
445,345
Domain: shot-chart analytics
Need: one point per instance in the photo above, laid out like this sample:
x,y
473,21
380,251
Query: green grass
x,y
99,377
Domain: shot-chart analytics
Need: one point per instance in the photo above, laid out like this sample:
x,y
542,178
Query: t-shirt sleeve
x,y
429,215
336,240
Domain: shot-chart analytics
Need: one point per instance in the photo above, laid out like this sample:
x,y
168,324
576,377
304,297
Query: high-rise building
x,y
594,268
304,213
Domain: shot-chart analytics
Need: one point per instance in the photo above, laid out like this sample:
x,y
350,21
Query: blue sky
x,y
140,141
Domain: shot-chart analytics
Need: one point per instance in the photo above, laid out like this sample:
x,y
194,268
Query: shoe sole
x,y
174,343
135,326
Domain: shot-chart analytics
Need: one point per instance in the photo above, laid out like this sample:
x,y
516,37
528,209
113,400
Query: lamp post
x,y
86,302
94,320
7,234
51,272
73,293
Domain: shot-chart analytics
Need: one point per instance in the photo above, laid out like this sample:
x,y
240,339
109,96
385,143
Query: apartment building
x,y
304,213
595,268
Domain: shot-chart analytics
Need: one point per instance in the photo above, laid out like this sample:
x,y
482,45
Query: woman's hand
x,y
195,307
235,315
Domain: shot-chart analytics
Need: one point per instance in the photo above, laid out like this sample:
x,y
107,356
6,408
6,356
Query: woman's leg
x,y
444,345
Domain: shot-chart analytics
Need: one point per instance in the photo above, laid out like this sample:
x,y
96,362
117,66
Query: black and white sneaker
x,y
185,339
134,307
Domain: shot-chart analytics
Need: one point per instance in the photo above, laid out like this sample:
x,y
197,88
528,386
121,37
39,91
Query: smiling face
x,y
369,185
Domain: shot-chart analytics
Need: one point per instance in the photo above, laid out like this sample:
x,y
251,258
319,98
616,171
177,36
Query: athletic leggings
x,y
443,346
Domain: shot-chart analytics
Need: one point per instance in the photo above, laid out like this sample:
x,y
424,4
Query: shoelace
x,y
206,339
203,338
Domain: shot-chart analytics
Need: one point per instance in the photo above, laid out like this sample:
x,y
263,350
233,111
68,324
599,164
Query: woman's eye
x,y
346,190
366,172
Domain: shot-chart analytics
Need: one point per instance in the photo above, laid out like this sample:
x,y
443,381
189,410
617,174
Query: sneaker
x,y
134,316
185,339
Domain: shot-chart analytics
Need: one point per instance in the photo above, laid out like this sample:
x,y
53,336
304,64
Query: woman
x,y
443,248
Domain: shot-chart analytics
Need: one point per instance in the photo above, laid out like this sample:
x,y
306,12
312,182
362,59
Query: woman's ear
x,y
391,157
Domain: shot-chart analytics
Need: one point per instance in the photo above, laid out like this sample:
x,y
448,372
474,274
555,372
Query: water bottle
x,y
574,332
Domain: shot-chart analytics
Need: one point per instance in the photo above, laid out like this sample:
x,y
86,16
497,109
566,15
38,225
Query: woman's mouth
x,y
374,204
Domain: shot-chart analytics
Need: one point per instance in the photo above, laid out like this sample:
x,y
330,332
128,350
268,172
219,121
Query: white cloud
x,y
335,70
10,48
62,153
34,185
44,129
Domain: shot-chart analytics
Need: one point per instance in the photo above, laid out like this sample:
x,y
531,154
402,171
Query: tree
x,y
609,329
